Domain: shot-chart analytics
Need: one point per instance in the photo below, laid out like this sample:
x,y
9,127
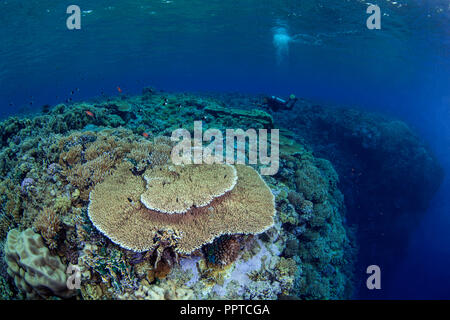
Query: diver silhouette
x,y
277,103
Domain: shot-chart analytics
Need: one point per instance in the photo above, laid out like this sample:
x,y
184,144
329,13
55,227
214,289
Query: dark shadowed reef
x,y
387,173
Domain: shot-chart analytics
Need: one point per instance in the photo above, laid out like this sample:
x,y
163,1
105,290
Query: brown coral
x,y
86,158
13,201
48,224
190,185
71,156
223,251
85,175
5,223
115,209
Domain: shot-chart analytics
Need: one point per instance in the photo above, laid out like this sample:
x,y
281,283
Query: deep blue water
x,y
402,69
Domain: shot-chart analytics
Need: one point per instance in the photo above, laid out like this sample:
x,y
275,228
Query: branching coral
x,y
87,158
62,204
47,223
223,251
116,210
71,156
85,175
5,224
296,199
310,182
11,200
109,266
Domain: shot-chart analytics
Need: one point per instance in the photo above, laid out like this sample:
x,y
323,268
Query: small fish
x,y
145,134
118,89
90,114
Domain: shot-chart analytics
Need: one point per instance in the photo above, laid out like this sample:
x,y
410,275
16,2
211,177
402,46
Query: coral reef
x,y
5,290
67,175
319,237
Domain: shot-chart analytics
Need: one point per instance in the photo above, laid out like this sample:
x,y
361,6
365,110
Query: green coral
x,y
112,267
62,204
6,292
310,182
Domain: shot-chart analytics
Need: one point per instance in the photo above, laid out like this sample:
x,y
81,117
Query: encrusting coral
x,y
34,269
115,209
190,185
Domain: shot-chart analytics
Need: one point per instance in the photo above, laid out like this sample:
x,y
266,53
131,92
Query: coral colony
x,y
103,196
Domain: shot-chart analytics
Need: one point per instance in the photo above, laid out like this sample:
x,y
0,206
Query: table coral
x,y
190,185
116,210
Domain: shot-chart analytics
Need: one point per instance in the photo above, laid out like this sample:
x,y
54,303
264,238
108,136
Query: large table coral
x,y
115,209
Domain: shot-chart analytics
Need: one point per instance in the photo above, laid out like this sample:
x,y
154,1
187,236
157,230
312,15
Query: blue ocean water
x,y
320,50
